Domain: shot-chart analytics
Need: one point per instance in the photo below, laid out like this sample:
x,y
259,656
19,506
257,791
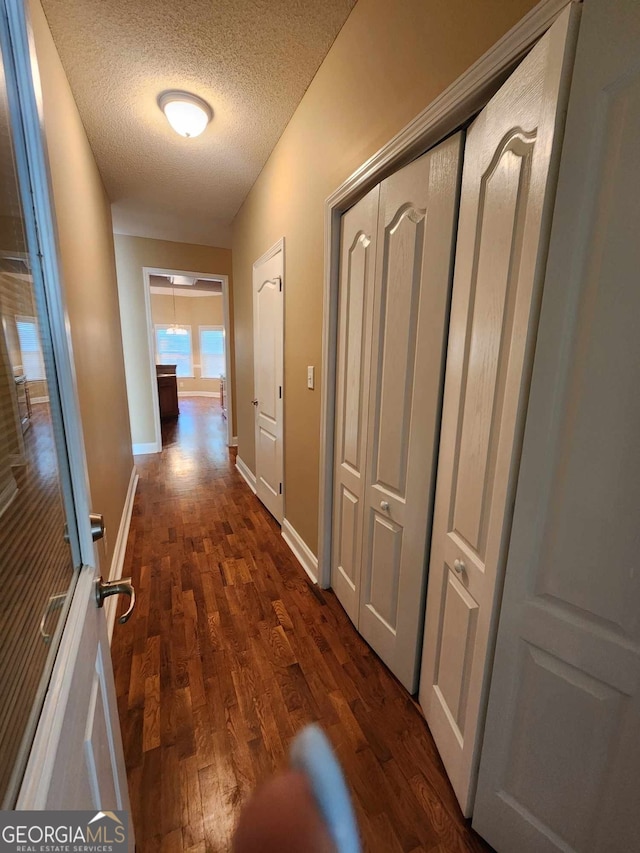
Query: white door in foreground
x,y
74,758
268,322
508,183
560,765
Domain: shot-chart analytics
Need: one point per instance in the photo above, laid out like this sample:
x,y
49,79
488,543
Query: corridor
x,y
231,650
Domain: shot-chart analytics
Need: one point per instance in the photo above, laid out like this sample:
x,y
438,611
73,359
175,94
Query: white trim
x,y
38,400
199,394
456,105
301,551
120,549
224,280
277,511
234,441
150,447
246,473
278,246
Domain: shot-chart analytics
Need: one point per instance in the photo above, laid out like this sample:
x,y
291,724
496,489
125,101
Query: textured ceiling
x,y
252,60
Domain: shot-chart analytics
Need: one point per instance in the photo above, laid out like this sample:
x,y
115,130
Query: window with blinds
x,y
30,349
173,346
212,360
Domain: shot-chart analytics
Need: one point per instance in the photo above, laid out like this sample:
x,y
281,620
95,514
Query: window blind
x,y
212,360
175,349
32,361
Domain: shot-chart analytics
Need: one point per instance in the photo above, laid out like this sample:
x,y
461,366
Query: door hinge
x,y
280,490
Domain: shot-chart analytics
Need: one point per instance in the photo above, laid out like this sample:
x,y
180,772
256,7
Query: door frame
x,y
33,169
456,105
147,272
278,246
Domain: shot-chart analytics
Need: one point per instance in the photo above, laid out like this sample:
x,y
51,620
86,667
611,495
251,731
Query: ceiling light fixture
x,y
187,114
174,328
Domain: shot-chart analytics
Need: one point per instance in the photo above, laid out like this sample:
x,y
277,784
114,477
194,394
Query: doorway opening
x,y
188,323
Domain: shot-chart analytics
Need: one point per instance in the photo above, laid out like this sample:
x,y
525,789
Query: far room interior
x,y
189,342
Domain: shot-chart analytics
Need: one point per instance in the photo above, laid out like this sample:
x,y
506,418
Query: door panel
x,y
502,235
268,378
561,752
52,631
357,268
416,225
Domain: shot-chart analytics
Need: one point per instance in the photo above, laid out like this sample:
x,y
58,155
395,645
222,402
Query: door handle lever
x,y
122,587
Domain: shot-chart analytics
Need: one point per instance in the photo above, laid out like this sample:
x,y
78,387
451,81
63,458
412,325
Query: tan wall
x,y
194,312
132,254
388,63
85,238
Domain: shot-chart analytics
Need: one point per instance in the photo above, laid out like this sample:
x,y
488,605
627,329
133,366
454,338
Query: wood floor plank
x,y
231,649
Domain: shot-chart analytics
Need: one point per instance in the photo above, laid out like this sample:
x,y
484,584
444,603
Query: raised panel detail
x,y
268,307
600,437
564,725
400,294
269,460
459,617
348,535
498,242
358,259
382,592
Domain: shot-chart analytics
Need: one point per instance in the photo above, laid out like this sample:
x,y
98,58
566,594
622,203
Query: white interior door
x,y
357,268
69,736
268,324
561,755
415,238
508,184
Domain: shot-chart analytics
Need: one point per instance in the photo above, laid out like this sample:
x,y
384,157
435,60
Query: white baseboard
x,y
301,550
149,447
39,399
120,549
199,394
234,441
247,475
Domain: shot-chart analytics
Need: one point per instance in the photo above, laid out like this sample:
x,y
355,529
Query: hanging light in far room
x,y
187,114
174,328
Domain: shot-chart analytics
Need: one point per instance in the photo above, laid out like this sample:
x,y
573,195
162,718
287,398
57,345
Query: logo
x,y
63,832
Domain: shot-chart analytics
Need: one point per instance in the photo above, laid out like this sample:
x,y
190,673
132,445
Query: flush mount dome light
x,y
187,114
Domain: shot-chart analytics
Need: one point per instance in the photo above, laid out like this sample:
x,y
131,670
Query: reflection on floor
x,y
231,649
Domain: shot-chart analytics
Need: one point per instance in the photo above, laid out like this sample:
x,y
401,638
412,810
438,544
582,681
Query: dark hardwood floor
x,y
231,649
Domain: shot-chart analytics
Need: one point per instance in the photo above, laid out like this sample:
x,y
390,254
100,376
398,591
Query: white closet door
x,y
268,357
560,767
416,226
357,266
507,191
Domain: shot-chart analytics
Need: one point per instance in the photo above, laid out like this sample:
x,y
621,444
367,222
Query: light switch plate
x,y
311,377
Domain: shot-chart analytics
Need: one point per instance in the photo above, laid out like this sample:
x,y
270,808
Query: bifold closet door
x,y
414,255
508,185
357,267
396,261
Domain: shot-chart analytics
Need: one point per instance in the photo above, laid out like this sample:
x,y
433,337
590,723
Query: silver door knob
x,y
459,566
122,587
384,505
254,402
